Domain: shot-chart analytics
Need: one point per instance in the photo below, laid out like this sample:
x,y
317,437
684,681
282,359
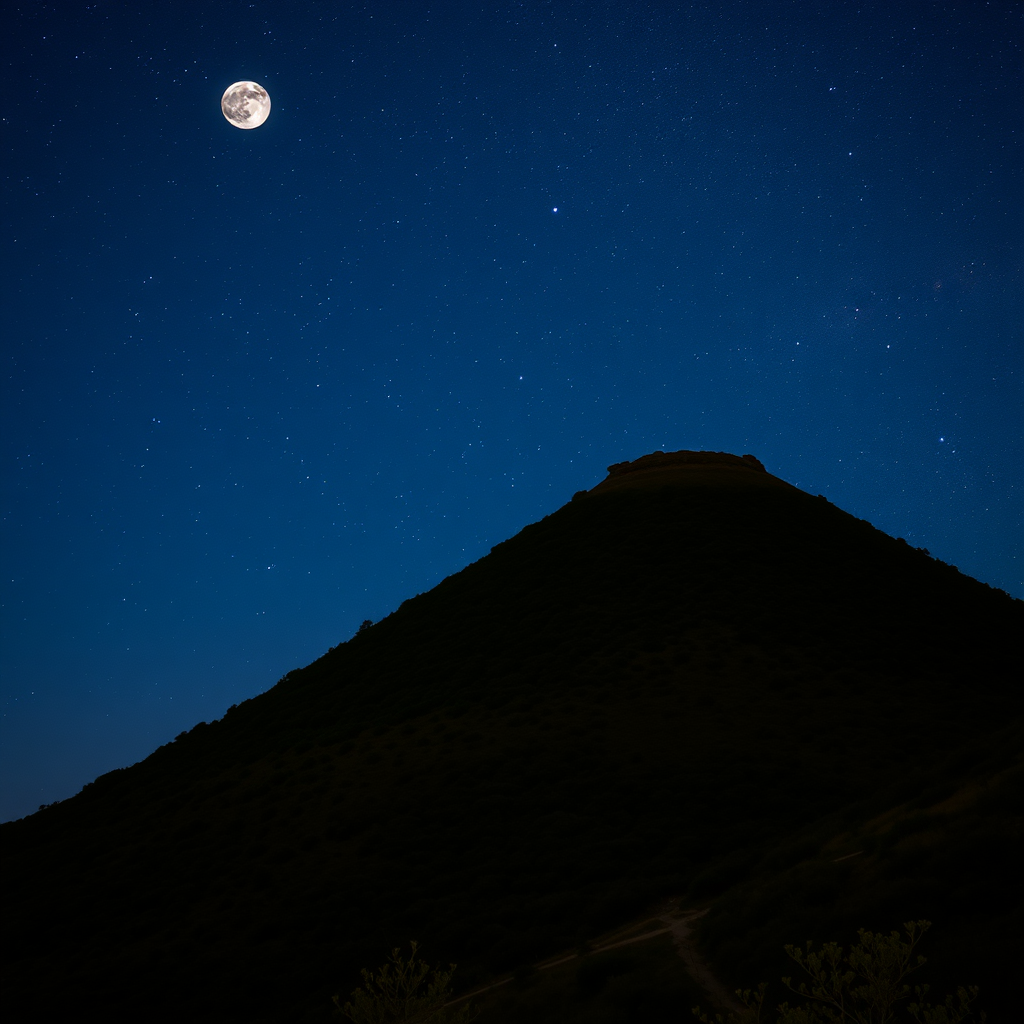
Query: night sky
x,y
259,386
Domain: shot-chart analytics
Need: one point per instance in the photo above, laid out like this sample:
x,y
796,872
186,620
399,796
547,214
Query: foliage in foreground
x,y
863,986
395,995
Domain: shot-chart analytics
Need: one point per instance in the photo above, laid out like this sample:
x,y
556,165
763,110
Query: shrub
x,y
396,995
863,986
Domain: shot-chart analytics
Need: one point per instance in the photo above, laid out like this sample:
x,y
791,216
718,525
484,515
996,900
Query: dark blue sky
x,y
261,385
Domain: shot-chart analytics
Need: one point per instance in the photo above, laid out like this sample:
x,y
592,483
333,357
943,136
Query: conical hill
x,y
651,692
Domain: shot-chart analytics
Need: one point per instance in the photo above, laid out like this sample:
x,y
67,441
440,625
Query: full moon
x,y
245,104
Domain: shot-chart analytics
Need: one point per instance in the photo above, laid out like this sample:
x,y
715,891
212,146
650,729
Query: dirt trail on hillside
x,y
680,923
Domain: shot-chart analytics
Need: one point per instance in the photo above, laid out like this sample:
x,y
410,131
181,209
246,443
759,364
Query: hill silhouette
x,y
693,680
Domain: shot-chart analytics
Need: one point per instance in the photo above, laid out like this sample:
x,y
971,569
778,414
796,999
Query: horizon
x,y
484,555
263,385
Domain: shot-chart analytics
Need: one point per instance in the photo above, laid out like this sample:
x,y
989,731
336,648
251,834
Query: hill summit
x,y
693,680
661,469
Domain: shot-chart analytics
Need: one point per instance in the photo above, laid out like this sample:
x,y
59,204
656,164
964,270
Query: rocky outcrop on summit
x,y
688,468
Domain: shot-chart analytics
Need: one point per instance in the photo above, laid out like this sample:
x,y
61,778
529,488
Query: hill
x,y
694,680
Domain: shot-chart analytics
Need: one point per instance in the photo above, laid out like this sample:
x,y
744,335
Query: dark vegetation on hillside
x,y
683,689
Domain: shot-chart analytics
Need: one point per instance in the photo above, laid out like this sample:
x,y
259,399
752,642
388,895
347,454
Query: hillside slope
x,y
645,693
